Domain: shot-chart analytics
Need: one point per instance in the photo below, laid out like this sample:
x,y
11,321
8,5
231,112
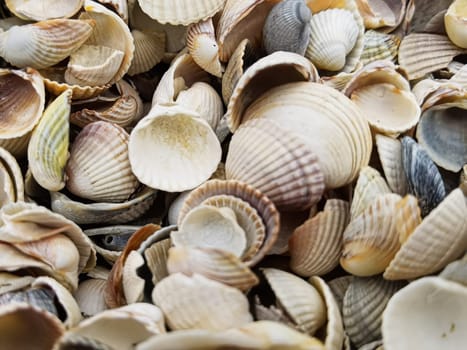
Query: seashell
x,y
423,178
43,329
181,11
315,247
438,316
110,31
390,156
202,46
334,35
424,12
279,68
290,220
299,299
48,146
12,178
197,302
208,226
118,6
438,240
287,27
379,46
139,320
203,99
374,345
182,161
43,44
440,133
338,287
149,50
93,65
132,284
271,313
43,9
422,53
364,303
279,165
69,340
17,146
387,14
370,185
456,271
329,123
103,213
253,197
41,298
90,296
454,22
371,240
215,264
407,217
156,257
99,168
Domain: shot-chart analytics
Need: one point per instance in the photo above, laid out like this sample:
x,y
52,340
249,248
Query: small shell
x,y
454,21
197,302
287,27
13,183
379,46
149,50
40,10
90,296
407,217
156,257
384,13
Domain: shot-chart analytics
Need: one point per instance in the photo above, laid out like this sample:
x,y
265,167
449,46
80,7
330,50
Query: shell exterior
x,y
43,44
43,9
149,50
379,46
438,309
197,302
179,161
156,256
386,14
454,22
99,168
13,183
407,217
315,247
202,45
90,296
287,27
278,164
48,147
439,239
423,178
338,287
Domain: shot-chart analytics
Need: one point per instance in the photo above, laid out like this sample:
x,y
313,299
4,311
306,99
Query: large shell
x,y
48,147
40,10
172,149
287,27
278,164
45,43
437,317
454,22
197,302
149,50
99,168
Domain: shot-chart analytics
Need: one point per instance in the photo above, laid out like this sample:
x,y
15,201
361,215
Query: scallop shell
x,y
43,44
439,239
40,10
287,27
181,11
48,147
178,162
315,247
99,168
278,164
202,45
256,199
454,22
438,316
149,50
379,46
423,178
197,302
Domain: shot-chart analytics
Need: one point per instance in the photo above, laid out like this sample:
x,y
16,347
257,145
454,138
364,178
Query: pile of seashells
x,y
233,174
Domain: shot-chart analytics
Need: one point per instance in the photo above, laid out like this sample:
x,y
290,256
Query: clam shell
x,y
439,239
364,303
379,46
299,299
178,162
197,302
43,44
423,178
438,316
278,164
287,27
215,264
48,147
181,11
40,10
13,183
99,168
149,50
315,247
202,45
454,22
256,199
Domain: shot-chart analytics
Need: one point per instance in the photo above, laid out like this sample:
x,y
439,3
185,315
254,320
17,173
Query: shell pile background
x,y
233,174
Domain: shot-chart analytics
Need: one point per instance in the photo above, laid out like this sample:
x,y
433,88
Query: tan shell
x,y
408,217
454,22
379,46
40,10
156,256
315,247
149,50
11,179
197,302
385,14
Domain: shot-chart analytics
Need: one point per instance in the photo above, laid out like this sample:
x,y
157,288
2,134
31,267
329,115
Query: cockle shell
x,y
338,287
407,217
45,43
197,302
48,147
149,50
287,27
156,256
379,46
40,10
455,21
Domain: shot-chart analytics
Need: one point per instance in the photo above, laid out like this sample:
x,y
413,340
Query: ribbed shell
x,y
407,217
39,10
277,163
379,46
13,176
48,147
156,256
90,296
99,168
149,50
